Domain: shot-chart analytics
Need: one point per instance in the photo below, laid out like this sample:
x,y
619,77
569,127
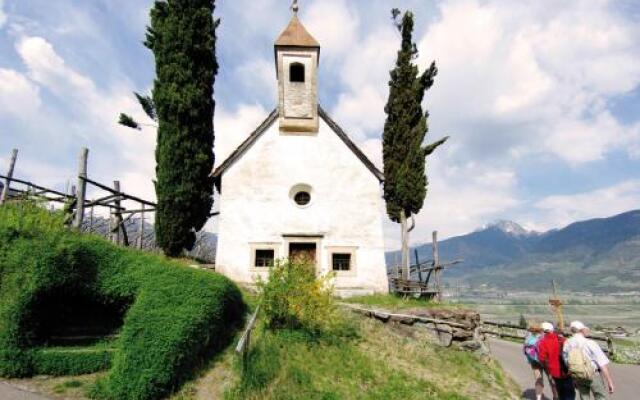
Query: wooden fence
x,y
124,226
244,344
449,330
424,278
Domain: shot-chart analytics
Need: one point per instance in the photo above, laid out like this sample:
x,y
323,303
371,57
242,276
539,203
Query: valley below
x,y
600,312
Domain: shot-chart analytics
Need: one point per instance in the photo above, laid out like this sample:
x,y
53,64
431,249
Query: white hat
x,y
547,326
577,326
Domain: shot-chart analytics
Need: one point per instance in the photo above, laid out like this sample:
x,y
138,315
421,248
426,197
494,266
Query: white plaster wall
x,y
346,206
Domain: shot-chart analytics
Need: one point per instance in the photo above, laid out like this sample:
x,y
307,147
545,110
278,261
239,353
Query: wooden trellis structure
x,y
79,209
125,226
429,276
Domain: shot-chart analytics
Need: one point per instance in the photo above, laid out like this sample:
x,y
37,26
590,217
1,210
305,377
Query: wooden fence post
x,y
7,181
82,188
418,265
436,263
91,219
116,215
110,235
610,347
119,220
140,244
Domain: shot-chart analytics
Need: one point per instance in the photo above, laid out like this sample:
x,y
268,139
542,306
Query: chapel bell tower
x,y
297,55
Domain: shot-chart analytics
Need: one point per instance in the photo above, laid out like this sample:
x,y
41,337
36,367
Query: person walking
x,y
587,364
550,357
530,349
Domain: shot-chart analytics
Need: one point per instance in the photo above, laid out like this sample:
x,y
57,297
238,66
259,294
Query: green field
x,y
603,311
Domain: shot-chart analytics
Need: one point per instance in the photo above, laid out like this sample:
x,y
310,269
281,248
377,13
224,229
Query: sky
x,y
541,99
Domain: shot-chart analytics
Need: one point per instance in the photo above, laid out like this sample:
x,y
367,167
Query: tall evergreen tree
x,y
182,39
404,154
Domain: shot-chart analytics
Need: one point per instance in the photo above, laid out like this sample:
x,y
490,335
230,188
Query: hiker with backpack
x,y
550,356
534,333
585,360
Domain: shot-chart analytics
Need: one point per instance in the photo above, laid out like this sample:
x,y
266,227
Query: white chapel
x,y
299,187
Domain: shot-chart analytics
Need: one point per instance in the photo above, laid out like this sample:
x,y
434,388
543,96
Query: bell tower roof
x,y
296,35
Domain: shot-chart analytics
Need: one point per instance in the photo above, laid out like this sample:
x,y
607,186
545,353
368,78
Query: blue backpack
x,y
531,348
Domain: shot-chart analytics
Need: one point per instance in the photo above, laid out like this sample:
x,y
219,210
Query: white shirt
x,y
591,349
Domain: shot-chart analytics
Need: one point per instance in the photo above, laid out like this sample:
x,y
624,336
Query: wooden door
x,y
302,252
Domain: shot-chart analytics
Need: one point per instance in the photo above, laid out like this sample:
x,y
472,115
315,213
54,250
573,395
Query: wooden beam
x,y
142,210
26,194
102,200
119,193
33,185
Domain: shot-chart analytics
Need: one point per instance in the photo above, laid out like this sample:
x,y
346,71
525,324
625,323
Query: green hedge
x,y
174,316
63,361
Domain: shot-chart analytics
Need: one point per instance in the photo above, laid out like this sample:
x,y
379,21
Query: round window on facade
x,y
302,198
301,194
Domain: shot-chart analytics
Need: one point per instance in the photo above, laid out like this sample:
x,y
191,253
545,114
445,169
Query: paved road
x,y
9,392
625,377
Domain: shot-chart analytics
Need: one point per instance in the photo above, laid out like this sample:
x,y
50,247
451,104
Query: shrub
x,y
174,316
63,361
294,297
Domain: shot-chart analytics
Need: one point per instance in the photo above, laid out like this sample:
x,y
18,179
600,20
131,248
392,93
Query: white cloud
x,y
232,128
515,80
512,73
361,112
259,77
364,73
19,97
334,24
115,152
578,141
560,210
459,200
49,69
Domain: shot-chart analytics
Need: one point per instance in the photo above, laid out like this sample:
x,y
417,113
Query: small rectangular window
x,y
264,258
341,261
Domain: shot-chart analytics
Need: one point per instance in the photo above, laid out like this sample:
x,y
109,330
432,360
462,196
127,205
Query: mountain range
x,y
598,255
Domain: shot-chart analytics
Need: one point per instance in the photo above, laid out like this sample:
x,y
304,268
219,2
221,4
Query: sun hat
x,y
547,326
534,327
577,326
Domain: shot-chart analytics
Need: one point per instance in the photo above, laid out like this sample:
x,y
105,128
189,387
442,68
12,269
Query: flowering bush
x,y
294,297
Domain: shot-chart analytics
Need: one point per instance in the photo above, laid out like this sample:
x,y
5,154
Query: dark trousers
x,y
565,388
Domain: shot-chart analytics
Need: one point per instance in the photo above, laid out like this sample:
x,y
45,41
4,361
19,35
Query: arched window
x,y
296,72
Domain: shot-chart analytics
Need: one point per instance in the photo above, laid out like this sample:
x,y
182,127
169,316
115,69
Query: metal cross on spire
x,y
294,7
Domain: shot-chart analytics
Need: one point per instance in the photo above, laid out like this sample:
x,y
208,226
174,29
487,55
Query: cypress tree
x,y
404,154
182,39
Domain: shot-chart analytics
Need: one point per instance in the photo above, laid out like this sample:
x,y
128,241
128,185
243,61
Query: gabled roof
x,y
264,126
295,34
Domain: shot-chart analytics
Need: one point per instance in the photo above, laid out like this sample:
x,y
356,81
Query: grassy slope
x,y
381,363
393,303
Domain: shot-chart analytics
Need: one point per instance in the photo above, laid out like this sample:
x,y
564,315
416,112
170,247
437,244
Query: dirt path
x,y
10,392
625,377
